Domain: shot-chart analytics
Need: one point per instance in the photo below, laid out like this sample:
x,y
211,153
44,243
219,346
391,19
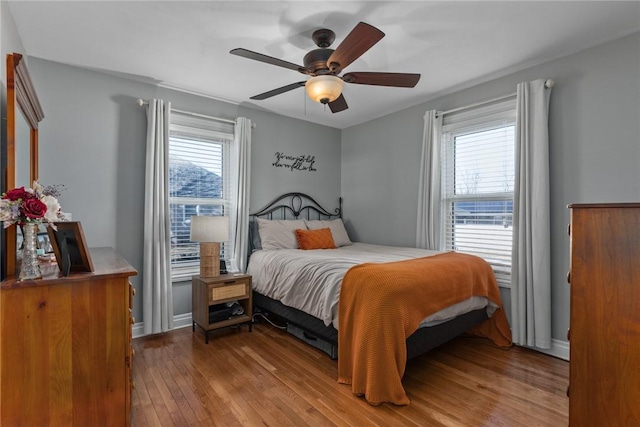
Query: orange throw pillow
x,y
315,239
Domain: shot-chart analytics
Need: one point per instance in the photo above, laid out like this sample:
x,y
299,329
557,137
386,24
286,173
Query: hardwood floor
x,y
270,378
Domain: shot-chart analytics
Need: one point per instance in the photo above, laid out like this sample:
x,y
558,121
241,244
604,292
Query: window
x,y
477,185
199,184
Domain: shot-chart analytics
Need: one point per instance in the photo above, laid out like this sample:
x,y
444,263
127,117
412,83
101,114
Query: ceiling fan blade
x,y
359,40
382,79
340,104
278,91
268,59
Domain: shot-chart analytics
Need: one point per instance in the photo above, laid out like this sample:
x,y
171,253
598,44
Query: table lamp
x,y
209,231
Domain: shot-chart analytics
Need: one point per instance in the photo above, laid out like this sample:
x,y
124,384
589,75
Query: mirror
x,y
24,113
22,152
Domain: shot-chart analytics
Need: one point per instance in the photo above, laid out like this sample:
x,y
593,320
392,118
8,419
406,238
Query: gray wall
x,y
275,133
594,152
10,42
93,142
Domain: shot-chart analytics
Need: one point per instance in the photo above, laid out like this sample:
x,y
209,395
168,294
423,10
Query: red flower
x,y
17,193
33,208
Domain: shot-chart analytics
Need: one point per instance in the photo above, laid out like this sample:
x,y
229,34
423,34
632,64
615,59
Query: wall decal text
x,y
303,162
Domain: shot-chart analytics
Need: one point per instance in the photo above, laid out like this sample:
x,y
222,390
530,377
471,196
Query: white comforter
x,y
310,280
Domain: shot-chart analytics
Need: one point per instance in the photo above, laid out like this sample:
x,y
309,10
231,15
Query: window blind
x,y
477,188
199,184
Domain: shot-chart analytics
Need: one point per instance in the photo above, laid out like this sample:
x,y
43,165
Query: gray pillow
x,y
340,236
254,236
279,234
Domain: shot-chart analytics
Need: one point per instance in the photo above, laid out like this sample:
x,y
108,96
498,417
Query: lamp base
x,y
209,259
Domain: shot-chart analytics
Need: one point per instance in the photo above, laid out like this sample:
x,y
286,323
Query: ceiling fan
x,y
324,66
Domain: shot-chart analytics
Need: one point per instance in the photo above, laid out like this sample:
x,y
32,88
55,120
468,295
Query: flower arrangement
x,y
31,205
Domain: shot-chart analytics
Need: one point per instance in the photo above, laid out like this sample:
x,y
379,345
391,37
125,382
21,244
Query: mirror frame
x,y
20,94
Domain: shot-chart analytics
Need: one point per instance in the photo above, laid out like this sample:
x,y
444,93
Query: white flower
x,y
37,188
5,210
53,207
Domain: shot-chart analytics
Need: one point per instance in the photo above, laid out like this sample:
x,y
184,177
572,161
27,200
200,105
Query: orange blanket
x,y
382,304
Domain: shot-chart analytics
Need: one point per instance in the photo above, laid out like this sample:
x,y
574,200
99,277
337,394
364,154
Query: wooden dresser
x,y
605,315
65,346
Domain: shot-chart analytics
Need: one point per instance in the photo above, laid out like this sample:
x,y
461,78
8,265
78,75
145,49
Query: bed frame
x,y
294,206
311,329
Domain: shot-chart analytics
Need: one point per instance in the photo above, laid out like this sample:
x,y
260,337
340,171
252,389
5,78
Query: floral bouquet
x,y
35,205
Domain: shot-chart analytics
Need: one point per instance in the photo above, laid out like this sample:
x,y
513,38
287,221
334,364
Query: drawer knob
x,y
569,277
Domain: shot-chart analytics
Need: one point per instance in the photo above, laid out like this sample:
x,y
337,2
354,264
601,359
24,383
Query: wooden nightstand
x,y
209,295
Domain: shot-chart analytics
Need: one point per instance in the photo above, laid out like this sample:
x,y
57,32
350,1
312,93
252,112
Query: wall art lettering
x,y
303,162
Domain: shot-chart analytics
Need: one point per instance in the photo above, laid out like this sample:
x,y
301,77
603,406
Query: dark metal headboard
x,y
289,206
293,205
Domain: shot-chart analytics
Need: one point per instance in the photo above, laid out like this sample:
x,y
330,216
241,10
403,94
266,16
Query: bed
x,y
303,288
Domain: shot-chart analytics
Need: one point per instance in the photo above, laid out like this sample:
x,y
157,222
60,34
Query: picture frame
x,y
70,247
44,242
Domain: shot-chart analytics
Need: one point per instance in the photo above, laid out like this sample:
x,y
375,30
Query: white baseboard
x,y
182,321
179,321
559,349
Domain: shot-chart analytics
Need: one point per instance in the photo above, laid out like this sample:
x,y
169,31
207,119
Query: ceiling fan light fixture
x,y
324,89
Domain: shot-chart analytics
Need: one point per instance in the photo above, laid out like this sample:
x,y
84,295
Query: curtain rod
x,y
142,102
547,84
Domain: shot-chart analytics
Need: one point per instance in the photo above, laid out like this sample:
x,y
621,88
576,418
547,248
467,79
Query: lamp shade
x,y
209,228
324,89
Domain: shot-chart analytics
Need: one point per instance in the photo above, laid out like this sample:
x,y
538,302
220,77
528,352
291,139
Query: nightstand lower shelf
x,y
209,296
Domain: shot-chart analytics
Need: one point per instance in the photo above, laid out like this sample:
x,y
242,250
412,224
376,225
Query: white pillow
x,y
340,236
279,234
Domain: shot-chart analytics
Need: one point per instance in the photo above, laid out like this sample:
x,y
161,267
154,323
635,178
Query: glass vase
x,y
30,268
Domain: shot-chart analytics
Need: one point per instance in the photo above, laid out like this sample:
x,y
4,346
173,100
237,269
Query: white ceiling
x,y
185,44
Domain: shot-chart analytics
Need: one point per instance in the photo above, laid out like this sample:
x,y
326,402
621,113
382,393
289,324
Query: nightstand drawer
x,y
208,298
236,289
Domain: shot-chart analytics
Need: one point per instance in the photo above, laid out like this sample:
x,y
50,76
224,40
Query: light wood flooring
x,y
270,378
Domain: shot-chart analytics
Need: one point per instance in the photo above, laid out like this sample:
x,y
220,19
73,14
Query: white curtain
x,y
157,298
240,189
530,267
428,226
